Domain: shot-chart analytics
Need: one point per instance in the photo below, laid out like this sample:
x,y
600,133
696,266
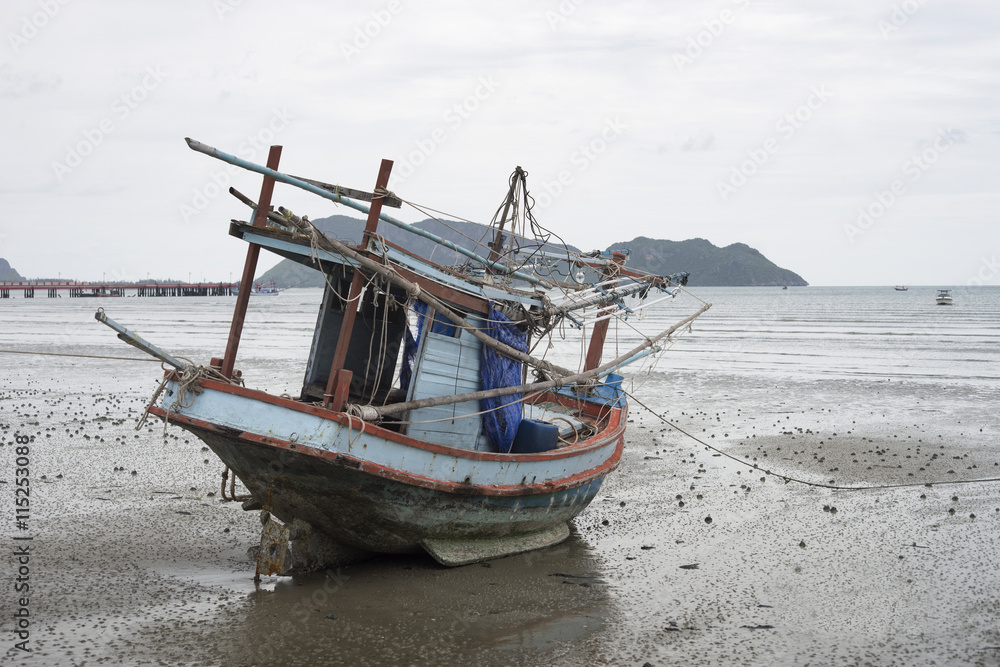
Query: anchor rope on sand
x,y
789,478
83,356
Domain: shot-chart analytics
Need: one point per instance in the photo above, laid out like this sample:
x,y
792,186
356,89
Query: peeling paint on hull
x,y
379,491
382,515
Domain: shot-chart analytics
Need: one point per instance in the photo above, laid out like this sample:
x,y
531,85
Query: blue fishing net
x,y
503,414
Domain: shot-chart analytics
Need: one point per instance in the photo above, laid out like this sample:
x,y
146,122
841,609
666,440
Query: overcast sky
x,y
852,141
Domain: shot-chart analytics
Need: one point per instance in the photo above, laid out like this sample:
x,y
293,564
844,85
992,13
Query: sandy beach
x,y
408,267
686,557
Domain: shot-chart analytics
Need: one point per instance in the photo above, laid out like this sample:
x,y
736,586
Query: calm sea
x,y
856,373
847,332
808,332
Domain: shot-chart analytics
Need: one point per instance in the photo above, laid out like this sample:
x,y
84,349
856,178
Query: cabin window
x,y
374,345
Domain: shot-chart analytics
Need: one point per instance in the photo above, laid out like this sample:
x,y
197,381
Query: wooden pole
x,y
249,267
496,248
601,328
284,178
333,245
372,412
339,383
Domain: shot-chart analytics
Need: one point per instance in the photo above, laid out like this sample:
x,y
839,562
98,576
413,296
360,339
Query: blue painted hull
x,y
373,513
364,487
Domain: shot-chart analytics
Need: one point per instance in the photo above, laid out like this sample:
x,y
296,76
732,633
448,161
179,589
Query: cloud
x,y
556,86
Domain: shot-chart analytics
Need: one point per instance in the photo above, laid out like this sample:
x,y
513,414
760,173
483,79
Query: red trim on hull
x,y
615,427
407,478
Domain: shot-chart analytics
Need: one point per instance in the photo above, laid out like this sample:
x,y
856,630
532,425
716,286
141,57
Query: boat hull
x,y
459,505
374,513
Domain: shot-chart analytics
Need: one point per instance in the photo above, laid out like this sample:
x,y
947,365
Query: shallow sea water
x,y
859,387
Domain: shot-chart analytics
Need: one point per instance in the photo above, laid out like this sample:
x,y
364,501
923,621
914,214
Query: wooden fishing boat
x,y
418,427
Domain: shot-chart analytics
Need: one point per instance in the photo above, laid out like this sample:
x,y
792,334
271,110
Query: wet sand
x,y
136,560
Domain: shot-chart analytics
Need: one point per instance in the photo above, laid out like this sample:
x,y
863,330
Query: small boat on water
x,y
263,289
901,288
425,422
943,297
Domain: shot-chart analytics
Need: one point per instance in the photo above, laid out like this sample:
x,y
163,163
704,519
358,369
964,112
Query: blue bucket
x,y
535,436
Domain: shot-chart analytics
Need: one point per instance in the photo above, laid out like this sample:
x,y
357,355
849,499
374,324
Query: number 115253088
x,y
22,481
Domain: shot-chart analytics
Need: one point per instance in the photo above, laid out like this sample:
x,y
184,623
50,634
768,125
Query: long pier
x,y
54,288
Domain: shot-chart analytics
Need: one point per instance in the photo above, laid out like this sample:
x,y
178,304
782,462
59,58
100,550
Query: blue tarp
x,y
608,392
503,414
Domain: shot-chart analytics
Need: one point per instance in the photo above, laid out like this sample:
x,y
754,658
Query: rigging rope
x,y
788,478
477,244
83,356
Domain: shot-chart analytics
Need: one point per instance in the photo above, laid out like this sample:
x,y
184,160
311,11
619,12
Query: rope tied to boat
x,y
188,385
232,487
788,478
82,356
366,413
350,425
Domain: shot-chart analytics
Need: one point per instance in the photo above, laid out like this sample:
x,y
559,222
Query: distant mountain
x,y
734,265
7,272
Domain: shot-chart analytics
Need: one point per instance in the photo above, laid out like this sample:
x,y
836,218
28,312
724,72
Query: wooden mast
x,y
496,247
601,328
249,266
339,384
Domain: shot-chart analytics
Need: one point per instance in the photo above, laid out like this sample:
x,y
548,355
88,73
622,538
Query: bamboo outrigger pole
x,y
375,412
341,248
412,289
340,199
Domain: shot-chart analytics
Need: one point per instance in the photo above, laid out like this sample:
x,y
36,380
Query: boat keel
x,y
467,551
